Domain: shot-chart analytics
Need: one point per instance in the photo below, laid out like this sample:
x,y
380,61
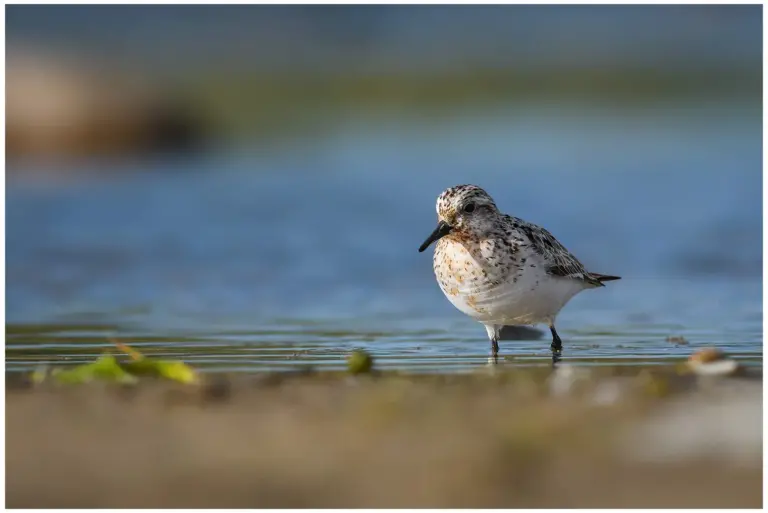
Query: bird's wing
x,y
559,261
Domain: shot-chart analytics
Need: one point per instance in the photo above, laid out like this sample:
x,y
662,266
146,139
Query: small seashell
x,y
711,362
707,355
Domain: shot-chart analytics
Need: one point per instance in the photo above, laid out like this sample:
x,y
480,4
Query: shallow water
x,y
275,258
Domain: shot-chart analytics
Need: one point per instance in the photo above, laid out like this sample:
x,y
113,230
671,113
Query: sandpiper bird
x,y
501,270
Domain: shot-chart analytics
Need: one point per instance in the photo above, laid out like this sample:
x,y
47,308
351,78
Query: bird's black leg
x,y
494,349
557,345
493,335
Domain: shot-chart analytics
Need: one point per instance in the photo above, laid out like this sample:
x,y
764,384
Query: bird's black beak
x,y
441,231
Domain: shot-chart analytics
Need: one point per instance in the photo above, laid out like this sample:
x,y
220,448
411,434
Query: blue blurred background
x,y
245,187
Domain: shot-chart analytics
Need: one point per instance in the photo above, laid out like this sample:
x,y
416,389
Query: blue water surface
x,y
273,256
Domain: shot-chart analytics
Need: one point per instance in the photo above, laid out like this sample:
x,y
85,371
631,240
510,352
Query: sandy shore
x,y
611,437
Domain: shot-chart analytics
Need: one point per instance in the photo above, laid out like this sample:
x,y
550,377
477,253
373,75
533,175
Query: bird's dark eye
x,y
469,208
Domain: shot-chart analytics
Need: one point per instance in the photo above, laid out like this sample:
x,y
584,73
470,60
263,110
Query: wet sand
x,y
610,437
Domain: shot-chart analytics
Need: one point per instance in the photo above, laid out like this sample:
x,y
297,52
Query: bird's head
x,y
463,210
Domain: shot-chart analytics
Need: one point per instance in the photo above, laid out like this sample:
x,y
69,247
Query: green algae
x,y
107,368
359,362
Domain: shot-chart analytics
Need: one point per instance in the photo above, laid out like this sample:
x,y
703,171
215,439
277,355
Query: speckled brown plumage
x,y
501,270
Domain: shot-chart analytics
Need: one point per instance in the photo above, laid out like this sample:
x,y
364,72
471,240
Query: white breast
x,y
492,284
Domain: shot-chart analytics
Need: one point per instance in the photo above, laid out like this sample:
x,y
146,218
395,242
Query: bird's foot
x,y
557,352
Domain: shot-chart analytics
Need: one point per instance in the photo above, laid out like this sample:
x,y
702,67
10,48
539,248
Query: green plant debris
x,y
176,371
143,366
107,368
359,362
